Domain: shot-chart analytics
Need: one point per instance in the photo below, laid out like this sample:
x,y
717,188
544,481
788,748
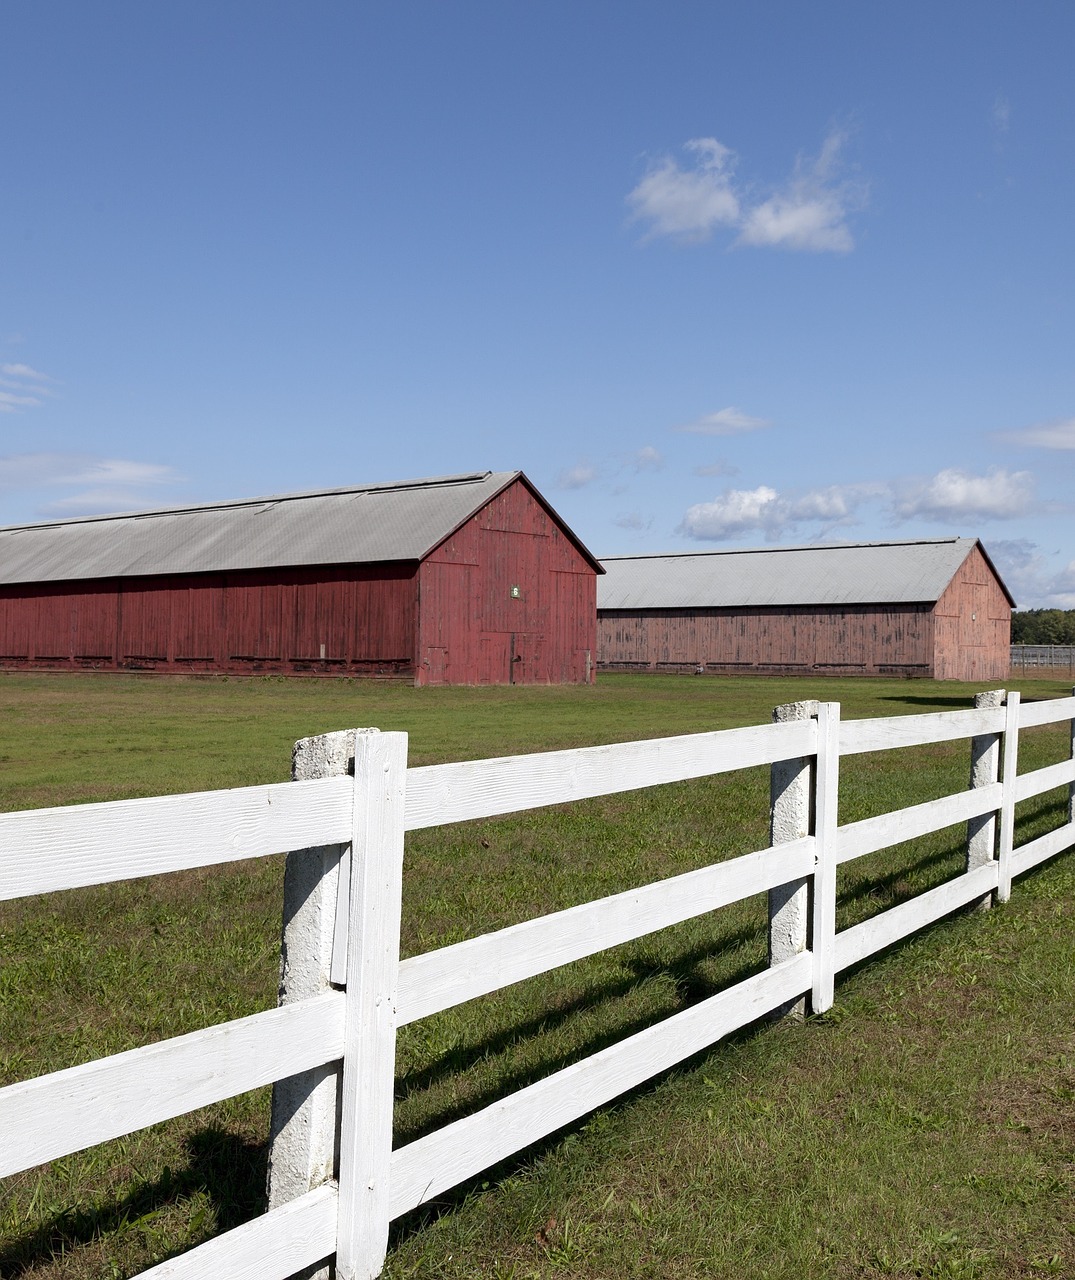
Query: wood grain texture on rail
x,y
442,793
65,1111
72,846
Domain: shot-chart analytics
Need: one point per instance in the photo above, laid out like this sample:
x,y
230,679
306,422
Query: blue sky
x,y
712,274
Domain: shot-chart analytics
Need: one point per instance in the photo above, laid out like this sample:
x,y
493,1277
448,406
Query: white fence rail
x,y
335,1189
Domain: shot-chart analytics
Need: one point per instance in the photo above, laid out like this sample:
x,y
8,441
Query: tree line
x,y
1043,626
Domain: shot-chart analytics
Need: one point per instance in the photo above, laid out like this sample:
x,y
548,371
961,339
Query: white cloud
x,y
725,422
1002,114
831,504
688,204
808,213
956,495
735,511
1059,434
773,514
576,477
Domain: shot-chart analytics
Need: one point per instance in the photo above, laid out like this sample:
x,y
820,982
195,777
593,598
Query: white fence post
x,y
1071,788
1009,769
791,795
372,976
302,1152
823,936
984,771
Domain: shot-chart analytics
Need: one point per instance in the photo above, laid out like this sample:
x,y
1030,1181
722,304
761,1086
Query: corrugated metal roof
x,y
400,521
821,574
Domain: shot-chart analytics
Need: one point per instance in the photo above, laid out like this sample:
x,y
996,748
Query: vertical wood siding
x,y
865,639
973,625
256,621
475,630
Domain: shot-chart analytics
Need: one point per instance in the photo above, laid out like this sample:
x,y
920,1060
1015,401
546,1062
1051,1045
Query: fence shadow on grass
x,y
690,986
227,1169
933,701
869,893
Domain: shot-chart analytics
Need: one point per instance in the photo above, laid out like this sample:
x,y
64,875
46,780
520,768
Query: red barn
x,y
469,579
930,608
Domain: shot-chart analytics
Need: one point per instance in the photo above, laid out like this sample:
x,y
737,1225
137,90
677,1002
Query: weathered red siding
x,y
350,619
973,621
863,639
508,599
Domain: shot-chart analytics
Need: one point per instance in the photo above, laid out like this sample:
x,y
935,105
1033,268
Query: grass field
x,y
924,1127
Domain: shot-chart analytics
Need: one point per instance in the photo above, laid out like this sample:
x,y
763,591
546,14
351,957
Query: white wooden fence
x,y
344,1037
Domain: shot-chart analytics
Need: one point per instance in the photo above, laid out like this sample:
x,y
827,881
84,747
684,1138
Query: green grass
x,y
923,1128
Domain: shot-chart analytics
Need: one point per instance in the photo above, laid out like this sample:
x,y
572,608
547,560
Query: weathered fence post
x,y
302,1152
984,771
791,815
376,891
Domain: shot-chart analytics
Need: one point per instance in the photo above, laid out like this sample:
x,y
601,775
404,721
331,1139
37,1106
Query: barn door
x,y
495,658
437,658
526,658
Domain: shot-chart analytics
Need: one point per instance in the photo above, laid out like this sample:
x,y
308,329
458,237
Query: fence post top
x,y
325,755
805,710
990,698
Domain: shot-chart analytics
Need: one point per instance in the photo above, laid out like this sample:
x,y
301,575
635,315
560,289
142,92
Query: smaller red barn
x,y
467,579
931,608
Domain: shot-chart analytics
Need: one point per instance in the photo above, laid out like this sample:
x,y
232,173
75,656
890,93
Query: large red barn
x,y
469,579
927,608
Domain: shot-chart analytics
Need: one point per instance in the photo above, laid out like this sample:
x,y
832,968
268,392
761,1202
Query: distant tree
x,y
1043,626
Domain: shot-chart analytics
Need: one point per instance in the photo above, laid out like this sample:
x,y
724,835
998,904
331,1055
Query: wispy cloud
x,y
576,477
725,422
809,212
22,388
1059,434
1002,115
1032,576
648,459
97,484
688,204
634,522
718,468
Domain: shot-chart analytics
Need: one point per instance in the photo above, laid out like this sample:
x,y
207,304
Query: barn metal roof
x,y
400,521
820,574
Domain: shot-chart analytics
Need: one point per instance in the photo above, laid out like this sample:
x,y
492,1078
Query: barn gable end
x,y
529,589
973,624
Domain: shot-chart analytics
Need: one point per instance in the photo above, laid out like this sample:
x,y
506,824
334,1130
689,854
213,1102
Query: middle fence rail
x,y
335,1181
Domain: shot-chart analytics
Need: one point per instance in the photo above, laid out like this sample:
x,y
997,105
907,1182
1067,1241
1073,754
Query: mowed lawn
x,y
924,1127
